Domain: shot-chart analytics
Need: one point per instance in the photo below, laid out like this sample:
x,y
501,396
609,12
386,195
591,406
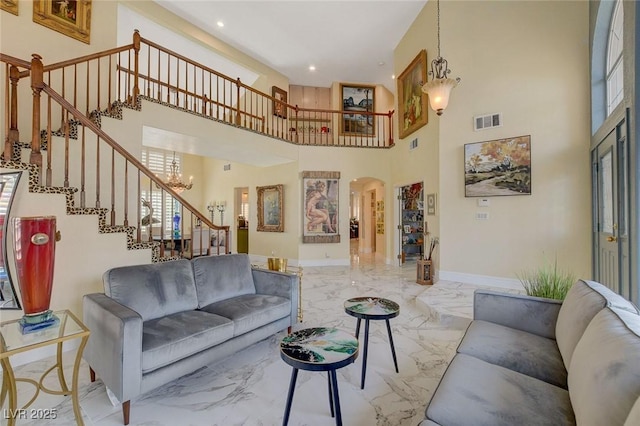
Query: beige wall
x,y
529,61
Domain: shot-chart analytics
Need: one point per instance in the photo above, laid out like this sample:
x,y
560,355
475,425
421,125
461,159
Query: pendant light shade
x,y
439,88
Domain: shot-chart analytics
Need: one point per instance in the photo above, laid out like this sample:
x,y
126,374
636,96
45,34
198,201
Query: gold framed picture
x,y
10,6
358,99
412,101
69,17
280,102
270,208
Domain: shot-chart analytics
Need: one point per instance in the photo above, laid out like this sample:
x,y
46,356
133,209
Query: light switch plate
x,y
482,215
483,202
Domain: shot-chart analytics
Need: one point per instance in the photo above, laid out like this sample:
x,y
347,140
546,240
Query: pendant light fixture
x,y
174,180
439,88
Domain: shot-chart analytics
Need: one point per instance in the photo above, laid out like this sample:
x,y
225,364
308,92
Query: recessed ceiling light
x,y
393,76
220,24
312,67
381,63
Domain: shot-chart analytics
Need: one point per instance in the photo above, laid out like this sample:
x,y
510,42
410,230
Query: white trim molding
x,y
481,280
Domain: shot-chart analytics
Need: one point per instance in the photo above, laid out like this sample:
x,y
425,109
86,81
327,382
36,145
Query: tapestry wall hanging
x,y
321,207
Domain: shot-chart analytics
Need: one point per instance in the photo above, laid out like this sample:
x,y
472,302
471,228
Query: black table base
x,y
366,347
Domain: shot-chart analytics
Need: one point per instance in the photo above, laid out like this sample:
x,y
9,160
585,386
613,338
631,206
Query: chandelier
x,y
439,88
174,180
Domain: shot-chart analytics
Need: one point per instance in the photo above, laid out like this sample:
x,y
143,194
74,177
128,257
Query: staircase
x,y
70,154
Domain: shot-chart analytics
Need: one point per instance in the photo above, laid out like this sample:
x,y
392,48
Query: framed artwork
x,y
279,106
270,208
358,99
380,217
498,167
412,101
10,6
69,17
321,199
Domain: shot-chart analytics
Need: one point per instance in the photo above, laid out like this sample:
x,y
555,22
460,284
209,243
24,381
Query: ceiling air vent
x,y
482,122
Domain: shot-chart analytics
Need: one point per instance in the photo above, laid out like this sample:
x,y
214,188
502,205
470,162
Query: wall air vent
x,y
227,167
489,121
413,144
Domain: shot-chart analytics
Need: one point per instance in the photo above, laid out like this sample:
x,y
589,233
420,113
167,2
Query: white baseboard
x,y
482,280
43,352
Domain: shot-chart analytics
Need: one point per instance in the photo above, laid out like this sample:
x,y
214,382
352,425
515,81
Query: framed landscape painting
x,y
358,99
320,207
270,208
69,17
498,167
412,101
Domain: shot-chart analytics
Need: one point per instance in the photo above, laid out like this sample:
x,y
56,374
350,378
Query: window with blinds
x,y
615,61
159,162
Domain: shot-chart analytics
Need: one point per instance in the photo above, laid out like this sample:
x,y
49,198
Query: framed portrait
x,y
69,17
10,6
498,167
320,208
412,101
270,208
355,100
279,106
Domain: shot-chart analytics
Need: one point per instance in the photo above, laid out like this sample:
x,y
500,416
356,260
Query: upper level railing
x,y
107,176
80,90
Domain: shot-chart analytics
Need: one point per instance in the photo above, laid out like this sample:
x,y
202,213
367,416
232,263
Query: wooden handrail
x,y
15,61
85,121
185,59
184,92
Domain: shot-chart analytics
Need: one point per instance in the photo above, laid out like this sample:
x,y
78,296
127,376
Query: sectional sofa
x,y
532,361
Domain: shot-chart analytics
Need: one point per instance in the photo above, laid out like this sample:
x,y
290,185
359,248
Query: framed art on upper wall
x,y
270,208
498,167
280,102
10,6
358,99
69,17
412,101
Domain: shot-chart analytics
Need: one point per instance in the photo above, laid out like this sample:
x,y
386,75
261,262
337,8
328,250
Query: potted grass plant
x,y
547,281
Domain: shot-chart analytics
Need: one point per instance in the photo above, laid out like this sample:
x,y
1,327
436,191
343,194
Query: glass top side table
x,y
13,342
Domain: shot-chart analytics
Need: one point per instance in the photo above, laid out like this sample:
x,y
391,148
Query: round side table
x,y
372,308
318,349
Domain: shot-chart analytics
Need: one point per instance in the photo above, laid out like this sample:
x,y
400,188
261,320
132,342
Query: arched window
x,y
615,83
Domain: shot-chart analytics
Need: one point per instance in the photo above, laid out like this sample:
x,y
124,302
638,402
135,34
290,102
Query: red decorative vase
x,y
35,245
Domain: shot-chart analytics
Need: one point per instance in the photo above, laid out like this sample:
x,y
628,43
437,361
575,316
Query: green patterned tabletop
x,y
371,307
320,345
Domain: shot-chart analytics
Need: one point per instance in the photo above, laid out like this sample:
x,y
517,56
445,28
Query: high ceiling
x,y
351,41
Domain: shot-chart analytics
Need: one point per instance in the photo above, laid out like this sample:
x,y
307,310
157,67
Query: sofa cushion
x,y
174,337
604,378
474,392
584,300
516,350
153,290
222,277
251,311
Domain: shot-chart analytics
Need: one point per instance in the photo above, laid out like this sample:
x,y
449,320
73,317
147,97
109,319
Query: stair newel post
x,y
238,83
12,133
136,69
37,84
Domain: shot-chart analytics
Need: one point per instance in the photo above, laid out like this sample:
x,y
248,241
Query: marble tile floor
x,y
250,388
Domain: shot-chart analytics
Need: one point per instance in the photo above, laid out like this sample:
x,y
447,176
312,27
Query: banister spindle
x,y
37,84
11,112
136,72
238,120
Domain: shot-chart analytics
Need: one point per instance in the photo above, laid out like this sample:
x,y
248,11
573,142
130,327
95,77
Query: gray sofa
x,y
533,361
158,322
